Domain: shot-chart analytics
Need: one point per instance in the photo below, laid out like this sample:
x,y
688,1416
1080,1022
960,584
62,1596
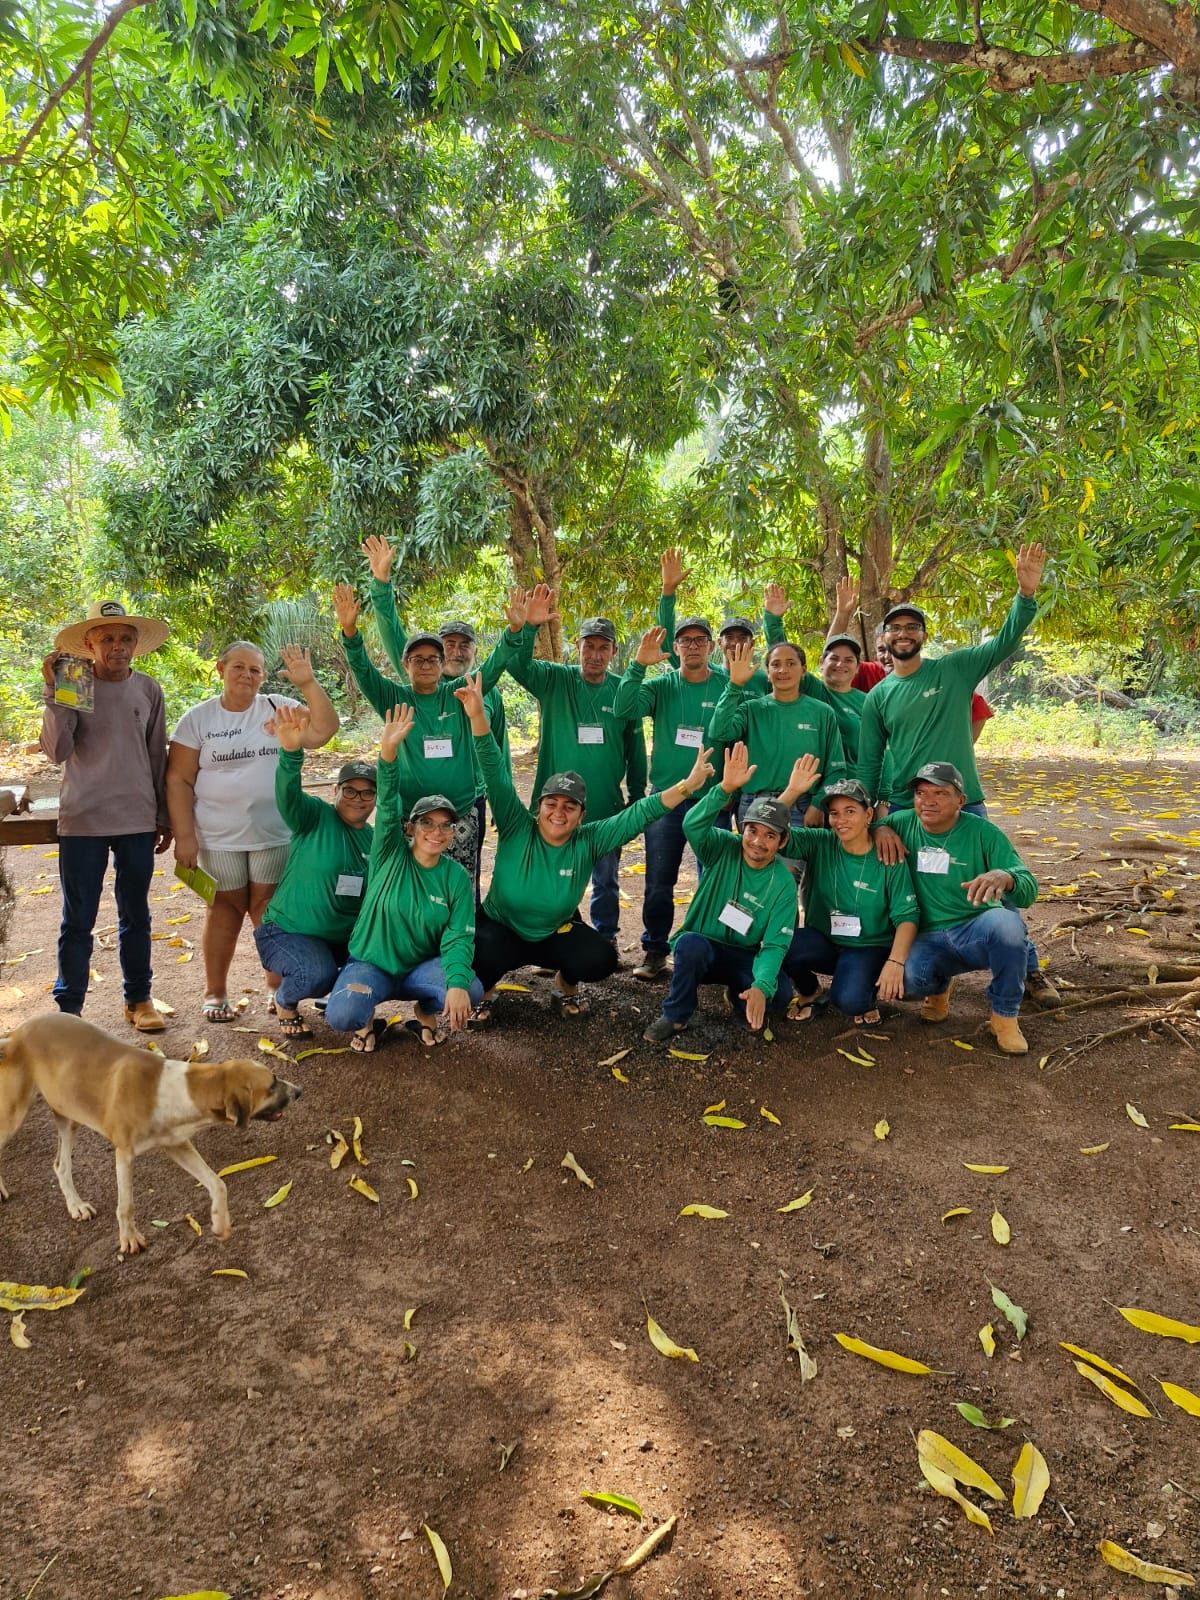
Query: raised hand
x,y
289,725
702,771
738,770
845,604
380,554
805,772
542,605
297,665
397,725
775,599
673,570
756,1007
1031,561
740,662
650,651
470,697
345,608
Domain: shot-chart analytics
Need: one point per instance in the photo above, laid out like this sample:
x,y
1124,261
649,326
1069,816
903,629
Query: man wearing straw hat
x,y
113,800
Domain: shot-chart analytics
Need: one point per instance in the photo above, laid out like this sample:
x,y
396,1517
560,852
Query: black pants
x,y
580,953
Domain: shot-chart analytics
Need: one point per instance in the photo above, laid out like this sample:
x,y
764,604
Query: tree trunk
x,y
534,550
875,557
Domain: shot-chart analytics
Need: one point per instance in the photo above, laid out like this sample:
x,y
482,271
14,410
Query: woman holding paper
x,y
221,796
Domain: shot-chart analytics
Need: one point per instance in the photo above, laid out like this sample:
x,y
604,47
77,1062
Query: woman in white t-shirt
x,y
221,797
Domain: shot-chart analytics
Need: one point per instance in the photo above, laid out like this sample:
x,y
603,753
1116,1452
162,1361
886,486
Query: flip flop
x,y
569,1005
800,1010
216,1008
364,1044
419,1029
293,1027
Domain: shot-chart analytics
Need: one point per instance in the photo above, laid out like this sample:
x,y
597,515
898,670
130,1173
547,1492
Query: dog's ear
x,y
241,1096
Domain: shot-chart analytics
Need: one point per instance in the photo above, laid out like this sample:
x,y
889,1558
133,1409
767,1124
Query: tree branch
x,y
1010,71
81,69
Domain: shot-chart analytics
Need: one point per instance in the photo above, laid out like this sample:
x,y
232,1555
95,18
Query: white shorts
x,y
234,869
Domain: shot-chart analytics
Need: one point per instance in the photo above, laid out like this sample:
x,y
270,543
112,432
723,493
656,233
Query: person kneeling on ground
x,y
964,866
740,923
530,915
860,916
305,931
415,933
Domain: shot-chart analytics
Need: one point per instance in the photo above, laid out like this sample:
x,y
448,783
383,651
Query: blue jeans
x,y
606,896
307,965
978,808
360,987
665,845
701,960
855,969
993,941
82,863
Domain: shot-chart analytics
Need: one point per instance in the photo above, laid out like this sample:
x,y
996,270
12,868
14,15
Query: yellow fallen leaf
x,y
796,1205
512,988
180,960
441,1555
885,1358
361,1186
1185,1127
611,1061
340,1150
1165,1327
16,1332
278,1197
723,1122
987,1338
245,1166
318,1050
1135,1115
1183,1398
199,1050
619,1075
1094,1149
947,1457
228,1272
36,1297
686,1055
1001,1231
697,1210
1141,931
572,1165
882,1129
1031,1479
270,1048
958,1211
710,1110
356,1143
1097,1361
961,1044
1125,1561
161,1006
413,1191
975,1166
175,922
859,1061
769,1116
1119,1397
665,1345
192,1223
408,1316
527,1165
942,1483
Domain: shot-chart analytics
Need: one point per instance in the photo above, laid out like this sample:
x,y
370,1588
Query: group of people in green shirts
x,y
867,805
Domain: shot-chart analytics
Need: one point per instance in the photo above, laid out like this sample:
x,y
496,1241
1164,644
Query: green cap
x,y
568,783
846,789
771,813
358,769
432,802
847,639
942,773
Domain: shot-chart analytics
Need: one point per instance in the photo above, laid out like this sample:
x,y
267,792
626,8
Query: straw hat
x,y
151,633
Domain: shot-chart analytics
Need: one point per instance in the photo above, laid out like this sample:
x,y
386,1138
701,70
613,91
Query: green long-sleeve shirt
x,y
777,733
438,757
581,732
759,683
394,639
853,890
847,707
942,862
536,887
322,887
681,713
413,913
926,716
730,888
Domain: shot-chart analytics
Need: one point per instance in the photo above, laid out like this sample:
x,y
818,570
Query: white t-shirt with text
x,y
235,786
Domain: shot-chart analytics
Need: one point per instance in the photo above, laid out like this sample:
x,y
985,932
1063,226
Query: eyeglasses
x,y
358,794
693,638
910,629
423,661
434,827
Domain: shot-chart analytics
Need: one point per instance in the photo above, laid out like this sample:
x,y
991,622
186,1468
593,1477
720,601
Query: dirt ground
x,y
271,1435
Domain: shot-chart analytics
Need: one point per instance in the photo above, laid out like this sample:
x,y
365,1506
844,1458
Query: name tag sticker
x,y
737,919
348,884
590,733
933,861
848,927
439,749
692,737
